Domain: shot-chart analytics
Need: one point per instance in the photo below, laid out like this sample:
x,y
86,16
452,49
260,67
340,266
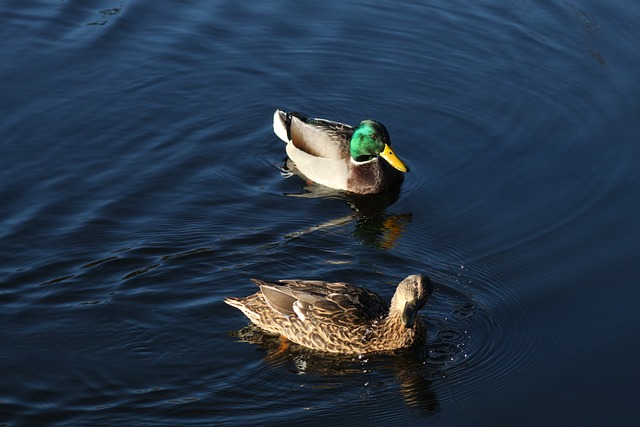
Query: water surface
x,y
141,183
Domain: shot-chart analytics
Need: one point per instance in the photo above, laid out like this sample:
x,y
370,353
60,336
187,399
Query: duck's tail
x,y
281,125
245,307
234,302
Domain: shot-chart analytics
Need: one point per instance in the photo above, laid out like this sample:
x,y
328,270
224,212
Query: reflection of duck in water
x,y
338,317
380,231
336,155
412,371
373,226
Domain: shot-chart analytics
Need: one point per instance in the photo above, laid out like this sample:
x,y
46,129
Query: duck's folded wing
x,y
337,304
321,138
292,300
278,298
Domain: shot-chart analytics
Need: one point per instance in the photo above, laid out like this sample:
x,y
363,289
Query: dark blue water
x,y
141,182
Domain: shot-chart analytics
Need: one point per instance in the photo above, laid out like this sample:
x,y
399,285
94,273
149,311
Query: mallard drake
x,y
338,317
339,156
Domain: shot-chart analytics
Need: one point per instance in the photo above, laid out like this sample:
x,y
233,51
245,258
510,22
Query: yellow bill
x,y
393,160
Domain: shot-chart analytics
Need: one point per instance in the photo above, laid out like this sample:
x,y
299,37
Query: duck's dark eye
x,y
374,136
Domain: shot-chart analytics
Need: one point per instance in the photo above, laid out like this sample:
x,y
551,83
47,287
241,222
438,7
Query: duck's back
x,y
319,302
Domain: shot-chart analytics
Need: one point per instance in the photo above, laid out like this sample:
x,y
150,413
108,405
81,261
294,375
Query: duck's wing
x,y
319,302
316,137
321,138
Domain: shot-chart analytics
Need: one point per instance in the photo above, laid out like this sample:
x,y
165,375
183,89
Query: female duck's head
x,y
410,296
370,139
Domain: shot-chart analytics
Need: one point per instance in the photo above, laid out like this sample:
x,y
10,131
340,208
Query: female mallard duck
x,y
339,156
338,317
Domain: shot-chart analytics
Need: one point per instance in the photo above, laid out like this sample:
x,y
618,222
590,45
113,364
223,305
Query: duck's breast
x,y
328,172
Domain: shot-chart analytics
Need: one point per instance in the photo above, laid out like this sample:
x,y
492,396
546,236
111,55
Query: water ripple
x,y
141,185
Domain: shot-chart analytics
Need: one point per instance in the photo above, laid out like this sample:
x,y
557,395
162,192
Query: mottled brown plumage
x,y
338,317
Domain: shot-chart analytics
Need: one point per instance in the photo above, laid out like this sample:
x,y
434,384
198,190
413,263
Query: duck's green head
x,y
370,139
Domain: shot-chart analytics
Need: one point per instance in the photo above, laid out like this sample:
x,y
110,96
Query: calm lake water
x,y
141,182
